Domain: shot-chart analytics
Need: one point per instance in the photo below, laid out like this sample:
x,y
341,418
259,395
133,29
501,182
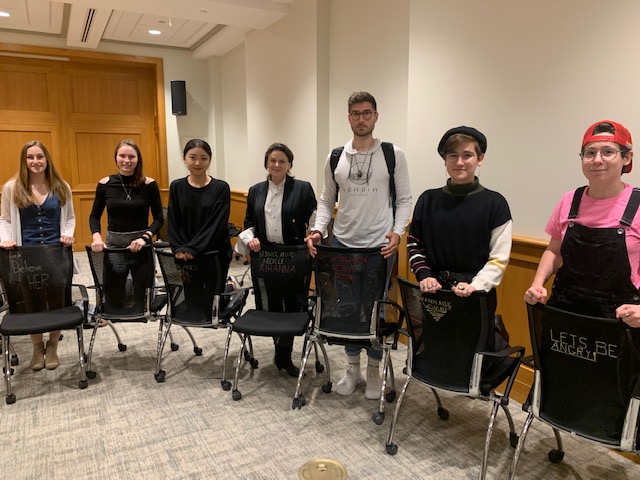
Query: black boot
x,y
282,360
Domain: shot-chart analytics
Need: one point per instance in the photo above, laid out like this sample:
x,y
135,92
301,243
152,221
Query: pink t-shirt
x,y
600,213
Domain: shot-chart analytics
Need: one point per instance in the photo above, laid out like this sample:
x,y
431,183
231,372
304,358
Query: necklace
x,y
360,166
127,192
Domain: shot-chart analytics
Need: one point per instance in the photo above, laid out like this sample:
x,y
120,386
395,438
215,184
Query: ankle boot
x,y
347,384
283,360
51,356
374,382
37,360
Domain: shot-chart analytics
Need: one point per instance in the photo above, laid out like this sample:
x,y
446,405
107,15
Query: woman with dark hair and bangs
x,y
37,209
128,196
279,211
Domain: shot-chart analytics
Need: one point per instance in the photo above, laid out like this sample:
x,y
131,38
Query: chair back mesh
x,y
191,285
37,278
348,282
589,369
281,275
445,332
124,280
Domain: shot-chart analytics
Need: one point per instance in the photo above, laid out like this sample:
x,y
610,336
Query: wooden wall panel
x,y
13,139
81,105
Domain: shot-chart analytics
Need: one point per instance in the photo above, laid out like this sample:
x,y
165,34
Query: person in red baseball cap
x,y
595,235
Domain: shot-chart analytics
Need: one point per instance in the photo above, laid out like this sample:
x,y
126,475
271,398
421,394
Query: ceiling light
x,y
5,14
155,32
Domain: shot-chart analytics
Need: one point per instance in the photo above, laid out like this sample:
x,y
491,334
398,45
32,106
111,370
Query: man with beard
x,y
372,180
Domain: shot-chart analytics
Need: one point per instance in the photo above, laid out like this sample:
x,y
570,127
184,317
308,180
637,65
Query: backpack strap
x,y
333,161
389,157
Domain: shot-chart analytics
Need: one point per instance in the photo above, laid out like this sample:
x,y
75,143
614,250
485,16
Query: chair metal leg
x,y
443,413
487,442
226,384
513,436
164,329
298,399
90,373
235,393
83,369
391,447
516,455
378,417
10,397
196,349
121,346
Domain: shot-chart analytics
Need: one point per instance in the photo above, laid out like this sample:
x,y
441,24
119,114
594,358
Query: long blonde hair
x,y
22,195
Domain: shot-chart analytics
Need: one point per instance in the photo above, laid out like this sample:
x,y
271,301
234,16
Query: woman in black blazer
x,y
279,211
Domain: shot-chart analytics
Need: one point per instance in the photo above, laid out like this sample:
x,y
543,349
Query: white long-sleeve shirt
x,y
365,213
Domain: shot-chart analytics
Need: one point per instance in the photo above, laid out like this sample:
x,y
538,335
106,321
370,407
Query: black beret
x,y
470,131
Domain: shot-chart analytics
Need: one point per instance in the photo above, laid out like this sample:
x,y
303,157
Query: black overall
x,y
595,276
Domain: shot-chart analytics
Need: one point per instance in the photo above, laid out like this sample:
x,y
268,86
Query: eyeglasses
x,y
466,156
606,154
355,115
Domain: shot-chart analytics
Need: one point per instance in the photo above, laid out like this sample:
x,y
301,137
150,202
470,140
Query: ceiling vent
x,y
86,26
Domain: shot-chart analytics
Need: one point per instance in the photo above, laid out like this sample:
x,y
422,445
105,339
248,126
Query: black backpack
x,y
389,157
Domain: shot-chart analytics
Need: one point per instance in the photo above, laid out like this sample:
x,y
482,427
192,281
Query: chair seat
x,y
271,324
40,322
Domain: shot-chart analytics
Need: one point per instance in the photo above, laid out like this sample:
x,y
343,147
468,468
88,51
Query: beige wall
x,y
532,76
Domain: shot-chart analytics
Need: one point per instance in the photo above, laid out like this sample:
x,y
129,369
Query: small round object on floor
x,y
319,367
160,376
122,347
392,448
236,395
226,385
513,439
253,362
298,402
391,396
91,374
10,399
555,456
443,413
378,418
326,388
174,347
197,351
322,469
83,384
14,360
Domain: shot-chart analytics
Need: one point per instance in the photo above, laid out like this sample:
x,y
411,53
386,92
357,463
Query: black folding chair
x,y
448,336
125,291
37,285
350,289
586,380
196,299
281,277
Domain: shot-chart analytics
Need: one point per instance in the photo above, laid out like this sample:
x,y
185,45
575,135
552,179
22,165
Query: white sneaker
x,y
374,383
347,384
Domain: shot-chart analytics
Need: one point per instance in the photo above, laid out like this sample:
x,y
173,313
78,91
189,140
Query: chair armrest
x,y
85,299
518,351
528,361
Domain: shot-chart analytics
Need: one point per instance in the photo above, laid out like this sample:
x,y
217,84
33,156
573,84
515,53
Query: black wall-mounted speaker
x,y
178,97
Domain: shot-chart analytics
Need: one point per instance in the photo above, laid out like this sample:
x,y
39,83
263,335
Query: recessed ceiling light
x,y
155,32
5,14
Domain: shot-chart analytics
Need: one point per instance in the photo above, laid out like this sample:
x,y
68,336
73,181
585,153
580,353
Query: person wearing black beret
x,y
460,235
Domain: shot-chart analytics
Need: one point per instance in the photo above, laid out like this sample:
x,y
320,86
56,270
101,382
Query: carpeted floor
x,y
127,426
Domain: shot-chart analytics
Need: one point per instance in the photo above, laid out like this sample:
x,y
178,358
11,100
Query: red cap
x,y
621,136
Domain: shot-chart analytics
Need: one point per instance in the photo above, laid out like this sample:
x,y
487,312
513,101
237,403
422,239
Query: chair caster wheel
x,y
91,374
14,360
83,384
253,362
10,399
11,371
319,367
197,351
122,347
174,347
236,395
443,413
378,418
392,448
326,388
160,376
226,385
247,356
298,402
513,439
555,456
391,396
